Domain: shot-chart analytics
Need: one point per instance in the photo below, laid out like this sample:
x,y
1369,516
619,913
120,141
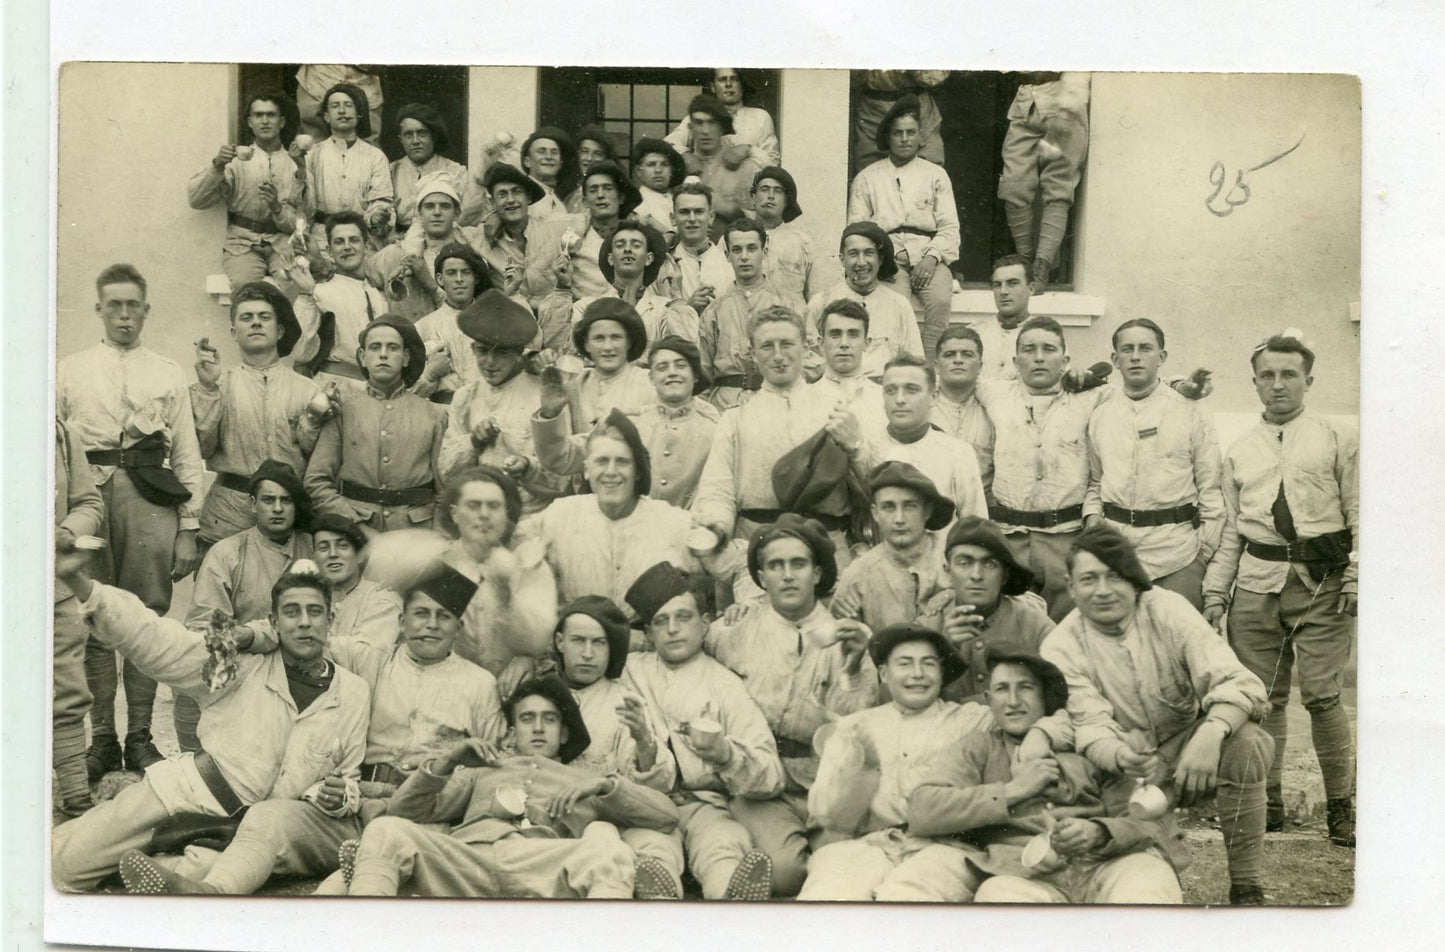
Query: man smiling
x,y
461,275
347,173
334,311
867,259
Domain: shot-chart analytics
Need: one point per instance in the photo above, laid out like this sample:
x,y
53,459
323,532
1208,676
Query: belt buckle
x,y
1294,551
1050,519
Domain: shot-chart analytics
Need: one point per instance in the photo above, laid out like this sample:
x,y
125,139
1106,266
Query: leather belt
x,y
1047,519
910,230
382,773
741,381
322,218
254,224
341,368
1331,547
415,496
1145,518
234,482
794,749
127,458
216,783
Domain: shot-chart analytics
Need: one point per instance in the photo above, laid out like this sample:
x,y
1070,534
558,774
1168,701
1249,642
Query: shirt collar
x,y
790,391
119,349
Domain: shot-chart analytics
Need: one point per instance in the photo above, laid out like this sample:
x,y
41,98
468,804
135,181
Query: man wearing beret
x,y
752,128
676,427
590,647
866,255
260,409
529,824
236,575
802,667
1289,565
717,164
736,493
657,169
549,157
362,610
598,543
911,437
490,419
378,461
332,312
995,802
725,753
423,700
612,337
893,582
406,269
1154,693
517,265
129,408
277,726
986,605
462,275
790,251
1154,467
911,199
872,761
630,261
725,326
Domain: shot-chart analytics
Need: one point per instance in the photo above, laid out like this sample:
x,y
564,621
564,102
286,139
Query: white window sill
x,y
1066,307
218,286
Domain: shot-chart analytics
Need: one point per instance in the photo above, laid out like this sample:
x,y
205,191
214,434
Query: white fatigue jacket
x,y
1155,679
251,728
888,592
237,184
892,325
368,613
790,259
509,407
797,683
345,178
949,463
862,396
613,751
907,742
419,711
353,301
1157,452
916,195
703,687
1318,461
967,421
752,127
237,573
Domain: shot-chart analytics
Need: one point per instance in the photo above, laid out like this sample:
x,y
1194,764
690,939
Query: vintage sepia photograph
x,y
769,485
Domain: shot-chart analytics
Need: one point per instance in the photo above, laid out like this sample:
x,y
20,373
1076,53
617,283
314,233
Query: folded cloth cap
x,y
659,585
641,460
648,146
816,477
498,321
567,175
446,586
976,530
1051,680
342,526
468,254
790,189
656,243
887,266
881,646
905,105
681,345
811,533
612,309
504,172
410,340
628,195
711,105
430,118
434,183
1109,546
284,476
605,612
555,690
285,314
595,133
908,476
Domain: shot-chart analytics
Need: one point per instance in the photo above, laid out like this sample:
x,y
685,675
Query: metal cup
x,y
704,730
244,152
702,541
1039,851
305,142
511,799
1148,802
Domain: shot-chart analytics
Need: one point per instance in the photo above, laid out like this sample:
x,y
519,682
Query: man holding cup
x,y
1155,694
346,172
1038,828
263,185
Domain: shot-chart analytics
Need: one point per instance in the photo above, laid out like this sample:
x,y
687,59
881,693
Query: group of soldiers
x,y
603,548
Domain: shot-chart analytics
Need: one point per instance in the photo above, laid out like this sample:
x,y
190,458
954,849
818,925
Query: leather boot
x,y
102,757
140,751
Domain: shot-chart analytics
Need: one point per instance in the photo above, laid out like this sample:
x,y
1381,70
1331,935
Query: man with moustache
x,y
347,173
334,311
378,463
676,428
261,409
958,361
723,335
867,258
130,409
264,193
277,726
911,199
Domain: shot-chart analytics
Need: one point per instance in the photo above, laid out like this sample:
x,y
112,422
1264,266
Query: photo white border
x,y
1392,46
